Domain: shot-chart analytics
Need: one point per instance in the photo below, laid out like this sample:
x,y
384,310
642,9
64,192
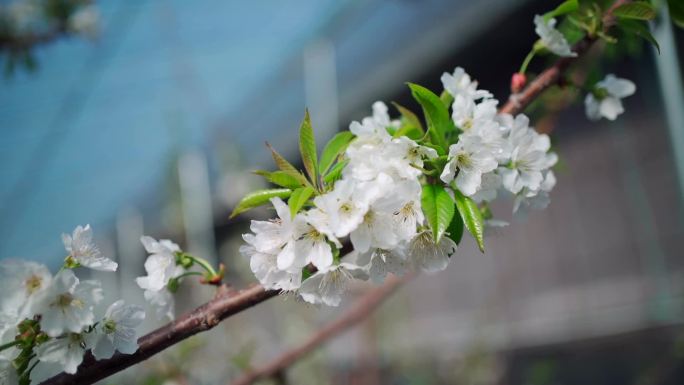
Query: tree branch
x,y
360,311
518,102
227,303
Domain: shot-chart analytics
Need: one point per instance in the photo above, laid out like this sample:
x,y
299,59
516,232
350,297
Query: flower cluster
x,y
48,322
389,170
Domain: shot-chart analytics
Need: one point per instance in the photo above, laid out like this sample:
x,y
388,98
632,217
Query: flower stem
x,y
189,273
9,345
526,62
205,265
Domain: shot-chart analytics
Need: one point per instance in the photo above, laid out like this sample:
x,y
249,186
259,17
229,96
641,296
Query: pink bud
x,y
518,81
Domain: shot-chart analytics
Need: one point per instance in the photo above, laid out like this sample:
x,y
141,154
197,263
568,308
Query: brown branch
x,y
517,102
205,317
226,303
360,311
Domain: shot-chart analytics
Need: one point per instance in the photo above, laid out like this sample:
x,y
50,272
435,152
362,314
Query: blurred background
x,y
154,124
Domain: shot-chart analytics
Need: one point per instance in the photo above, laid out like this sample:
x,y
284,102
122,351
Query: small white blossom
x,y
345,206
327,287
161,265
67,350
459,83
67,306
81,247
265,269
551,38
8,375
537,200
116,331
529,159
162,301
21,282
403,202
471,159
606,101
382,262
428,256
491,183
85,21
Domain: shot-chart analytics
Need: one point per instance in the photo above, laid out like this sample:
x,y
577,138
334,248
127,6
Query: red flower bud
x,y
518,81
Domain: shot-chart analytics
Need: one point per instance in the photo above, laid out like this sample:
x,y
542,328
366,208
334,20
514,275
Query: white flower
x,y
85,21
427,255
491,183
116,331
68,304
459,83
468,114
471,159
537,200
80,246
67,350
345,206
162,301
551,38
21,282
374,126
376,227
403,202
8,331
327,287
265,268
528,160
161,265
605,102
382,262
8,375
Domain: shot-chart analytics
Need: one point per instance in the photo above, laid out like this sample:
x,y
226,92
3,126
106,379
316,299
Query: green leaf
x,y
258,198
455,229
410,117
336,172
436,114
639,10
472,217
447,99
287,167
639,28
410,131
438,208
307,147
335,147
565,7
298,198
677,12
280,178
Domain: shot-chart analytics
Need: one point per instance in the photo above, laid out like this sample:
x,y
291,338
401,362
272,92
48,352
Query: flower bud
x,y
518,81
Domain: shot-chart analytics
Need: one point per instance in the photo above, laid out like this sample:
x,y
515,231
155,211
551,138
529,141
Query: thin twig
x,y
226,304
360,311
517,102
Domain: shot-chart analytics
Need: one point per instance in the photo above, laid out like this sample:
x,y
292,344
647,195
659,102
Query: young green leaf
x,y
438,208
565,7
258,198
436,114
335,173
307,147
639,10
676,8
298,198
639,28
280,178
287,167
335,147
447,99
410,117
472,217
455,229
